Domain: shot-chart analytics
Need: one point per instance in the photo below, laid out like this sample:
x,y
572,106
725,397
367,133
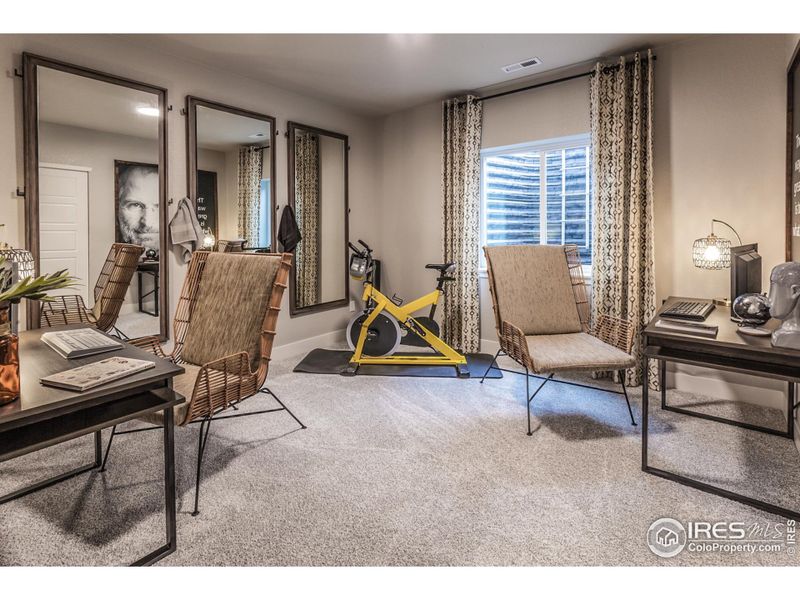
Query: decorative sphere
x,y
151,254
752,309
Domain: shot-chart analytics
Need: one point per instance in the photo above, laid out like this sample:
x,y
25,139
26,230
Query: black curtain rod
x,y
608,69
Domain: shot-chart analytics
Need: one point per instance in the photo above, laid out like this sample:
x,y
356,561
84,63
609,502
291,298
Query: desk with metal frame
x,y
45,416
729,351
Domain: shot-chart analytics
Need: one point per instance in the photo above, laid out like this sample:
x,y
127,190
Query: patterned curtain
x,y
461,173
250,160
621,103
306,210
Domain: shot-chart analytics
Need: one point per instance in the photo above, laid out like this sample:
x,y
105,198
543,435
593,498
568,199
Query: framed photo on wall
x,y
207,201
793,159
136,198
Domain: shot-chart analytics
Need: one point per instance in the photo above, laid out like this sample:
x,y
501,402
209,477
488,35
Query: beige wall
x,y
116,55
720,126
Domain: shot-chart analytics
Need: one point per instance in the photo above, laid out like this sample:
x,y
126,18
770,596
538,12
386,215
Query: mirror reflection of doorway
x,y
64,224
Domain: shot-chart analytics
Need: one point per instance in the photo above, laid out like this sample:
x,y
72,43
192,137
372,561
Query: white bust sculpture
x,y
784,298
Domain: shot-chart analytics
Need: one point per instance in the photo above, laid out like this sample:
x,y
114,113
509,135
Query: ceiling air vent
x,y
524,64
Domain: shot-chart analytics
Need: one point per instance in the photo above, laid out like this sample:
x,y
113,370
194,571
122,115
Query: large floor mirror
x,y
318,188
95,174
231,164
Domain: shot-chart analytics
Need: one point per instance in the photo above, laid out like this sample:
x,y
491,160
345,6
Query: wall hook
x,y
20,192
183,112
18,73
169,108
170,201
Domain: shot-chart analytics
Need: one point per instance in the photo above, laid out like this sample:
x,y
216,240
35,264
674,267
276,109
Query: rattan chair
x,y
109,293
230,245
541,312
224,328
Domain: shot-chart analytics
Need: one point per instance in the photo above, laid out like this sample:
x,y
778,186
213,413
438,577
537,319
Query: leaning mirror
x,y
231,162
318,195
95,147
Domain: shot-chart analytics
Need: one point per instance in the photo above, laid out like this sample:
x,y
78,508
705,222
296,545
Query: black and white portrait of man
x,y
137,204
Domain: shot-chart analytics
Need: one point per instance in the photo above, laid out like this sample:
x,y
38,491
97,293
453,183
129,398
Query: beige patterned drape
x,y
306,210
621,102
250,164
462,122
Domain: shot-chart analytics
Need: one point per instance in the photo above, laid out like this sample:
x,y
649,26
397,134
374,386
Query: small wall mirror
x,y
231,166
318,188
95,172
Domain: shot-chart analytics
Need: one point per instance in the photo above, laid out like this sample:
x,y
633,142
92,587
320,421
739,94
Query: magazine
x,y
77,343
98,373
687,327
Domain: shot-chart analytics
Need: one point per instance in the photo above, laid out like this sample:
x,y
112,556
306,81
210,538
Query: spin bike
x,y
376,333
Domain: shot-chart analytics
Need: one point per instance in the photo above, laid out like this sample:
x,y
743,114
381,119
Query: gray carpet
x,y
399,471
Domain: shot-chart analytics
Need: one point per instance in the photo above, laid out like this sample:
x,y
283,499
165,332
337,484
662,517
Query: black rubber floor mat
x,y
333,362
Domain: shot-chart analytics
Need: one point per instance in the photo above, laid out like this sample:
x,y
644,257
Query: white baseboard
x,y
304,346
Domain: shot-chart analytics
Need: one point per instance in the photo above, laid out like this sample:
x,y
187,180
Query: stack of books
x,y
687,327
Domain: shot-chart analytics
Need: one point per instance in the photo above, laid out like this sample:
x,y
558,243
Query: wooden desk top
x,y
728,338
38,360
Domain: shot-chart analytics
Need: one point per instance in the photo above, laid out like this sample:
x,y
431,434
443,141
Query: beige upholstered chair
x,y
224,328
109,293
230,245
541,312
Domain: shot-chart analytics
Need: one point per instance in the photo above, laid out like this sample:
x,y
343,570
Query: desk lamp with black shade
x,y
716,253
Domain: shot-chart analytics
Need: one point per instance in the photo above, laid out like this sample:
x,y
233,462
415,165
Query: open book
x,y
77,343
98,373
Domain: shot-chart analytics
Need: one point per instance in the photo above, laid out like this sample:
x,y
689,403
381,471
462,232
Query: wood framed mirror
x,y
318,193
793,158
95,174
231,166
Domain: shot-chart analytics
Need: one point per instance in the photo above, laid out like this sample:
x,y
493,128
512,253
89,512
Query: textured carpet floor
x,y
399,471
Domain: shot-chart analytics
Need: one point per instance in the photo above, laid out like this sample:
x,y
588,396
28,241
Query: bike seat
x,y
443,267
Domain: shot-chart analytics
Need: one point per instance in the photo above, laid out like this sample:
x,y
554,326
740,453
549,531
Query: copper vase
x,y
9,357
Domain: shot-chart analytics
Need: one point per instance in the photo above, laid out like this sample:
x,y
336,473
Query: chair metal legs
x,y
625,391
283,406
530,398
108,448
205,427
491,364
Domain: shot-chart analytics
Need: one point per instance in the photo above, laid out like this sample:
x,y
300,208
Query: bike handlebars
x,y
364,252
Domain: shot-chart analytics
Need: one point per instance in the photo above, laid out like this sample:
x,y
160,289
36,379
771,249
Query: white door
x,y
64,225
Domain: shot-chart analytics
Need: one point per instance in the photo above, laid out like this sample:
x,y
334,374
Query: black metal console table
x,y
729,351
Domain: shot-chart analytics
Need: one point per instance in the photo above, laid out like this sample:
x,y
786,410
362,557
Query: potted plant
x,y
32,288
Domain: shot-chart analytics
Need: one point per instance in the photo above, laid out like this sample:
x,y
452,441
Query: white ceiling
x,y
376,74
69,99
224,131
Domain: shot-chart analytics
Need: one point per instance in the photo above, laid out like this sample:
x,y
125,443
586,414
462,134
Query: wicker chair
x,y
541,312
109,293
224,328
230,245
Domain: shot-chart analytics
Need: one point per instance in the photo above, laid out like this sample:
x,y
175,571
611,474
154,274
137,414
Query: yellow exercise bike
x,y
376,333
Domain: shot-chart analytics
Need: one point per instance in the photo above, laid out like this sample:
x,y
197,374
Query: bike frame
x,y
447,355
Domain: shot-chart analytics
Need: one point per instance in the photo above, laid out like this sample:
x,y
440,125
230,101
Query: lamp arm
x,y
728,226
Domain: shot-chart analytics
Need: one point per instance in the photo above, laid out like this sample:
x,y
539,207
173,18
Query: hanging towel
x,y
185,230
288,232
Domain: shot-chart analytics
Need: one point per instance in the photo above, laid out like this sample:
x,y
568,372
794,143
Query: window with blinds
x,y
538,193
